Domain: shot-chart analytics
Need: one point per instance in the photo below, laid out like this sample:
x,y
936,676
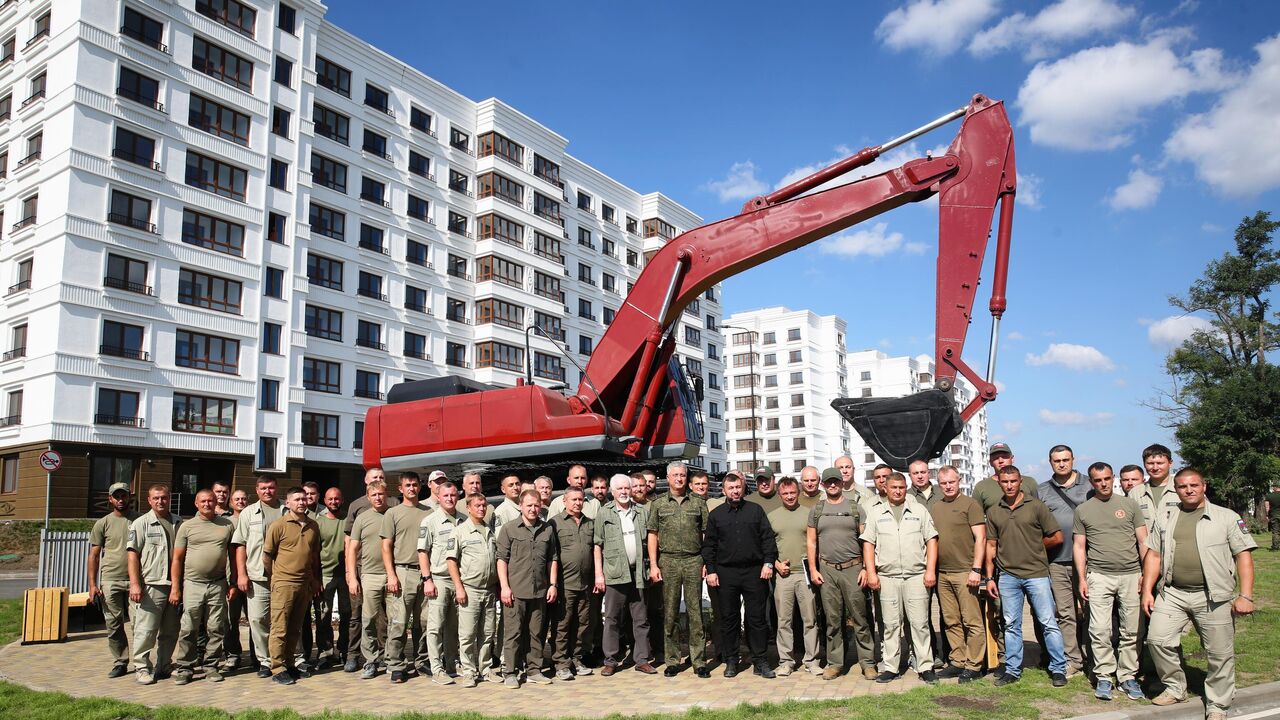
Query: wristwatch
x,y
769,565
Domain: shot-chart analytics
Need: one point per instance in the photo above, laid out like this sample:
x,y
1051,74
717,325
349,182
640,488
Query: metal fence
x,y
64,560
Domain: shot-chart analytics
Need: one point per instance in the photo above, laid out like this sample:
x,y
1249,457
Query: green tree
x,y
1225,406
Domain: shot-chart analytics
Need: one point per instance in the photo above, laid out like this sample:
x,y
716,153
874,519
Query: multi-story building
x,y
784,369
233,226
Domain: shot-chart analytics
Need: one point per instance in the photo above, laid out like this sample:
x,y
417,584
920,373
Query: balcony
x,y
371,344
429,177
371,294
31,100
458,318
459,230
376,200
124,352
419,354
463,145
368,394
150,102
19,286
417,307
14,354
327,180
377,153
122,284
10,421
122,154
384,109
460,274
34,156
456,362
460,188
374,246
133,222
557,295
120,420
207,10
36,38
587,244
138,35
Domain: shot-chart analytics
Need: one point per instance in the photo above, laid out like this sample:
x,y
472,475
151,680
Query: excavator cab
x,y
904,429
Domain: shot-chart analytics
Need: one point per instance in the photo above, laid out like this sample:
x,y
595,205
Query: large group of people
x,y
434,581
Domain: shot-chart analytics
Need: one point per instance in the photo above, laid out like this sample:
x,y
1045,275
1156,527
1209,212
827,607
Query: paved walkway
x,y
79,667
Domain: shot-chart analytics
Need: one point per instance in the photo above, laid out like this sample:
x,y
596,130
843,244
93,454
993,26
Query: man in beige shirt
x,y
155,621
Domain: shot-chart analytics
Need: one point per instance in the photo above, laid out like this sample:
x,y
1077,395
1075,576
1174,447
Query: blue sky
x,y
1145,131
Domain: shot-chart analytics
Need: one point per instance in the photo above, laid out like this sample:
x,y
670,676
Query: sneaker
x,y
580,668
1102,690
1132,690
537,678
213,674
1073,670
564,674
353,664
814,669
493,676
1168,698
442,678
264,672
146,678
831,673
370,672
512,682
302,671
424,670
1059,680
869,672
950,671
283,678
784,670
886,677
1215,715
469,681
118,670
399,677
929,677
181,678
1006,679
968,676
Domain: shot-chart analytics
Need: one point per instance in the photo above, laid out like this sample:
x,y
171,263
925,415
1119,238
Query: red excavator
x,y
634,406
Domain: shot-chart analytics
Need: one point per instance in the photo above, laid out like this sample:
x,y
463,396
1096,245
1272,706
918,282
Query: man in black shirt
x,y
738,550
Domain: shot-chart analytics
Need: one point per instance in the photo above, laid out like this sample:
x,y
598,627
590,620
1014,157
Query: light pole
x,y
751,359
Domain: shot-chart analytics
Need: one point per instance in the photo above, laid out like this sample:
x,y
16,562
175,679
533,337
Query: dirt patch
x,y
965,703
1052,709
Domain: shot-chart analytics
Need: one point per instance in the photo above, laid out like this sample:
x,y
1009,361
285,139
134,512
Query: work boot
x,y
146,678
1168,698
213,674
831,673
353,664
869,672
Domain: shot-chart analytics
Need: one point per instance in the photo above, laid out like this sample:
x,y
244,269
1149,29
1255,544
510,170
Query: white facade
x,y
122,297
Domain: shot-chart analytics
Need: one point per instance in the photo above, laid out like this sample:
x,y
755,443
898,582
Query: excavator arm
x,y
633,404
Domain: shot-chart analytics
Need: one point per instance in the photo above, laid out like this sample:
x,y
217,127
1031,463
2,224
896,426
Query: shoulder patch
x,y
1243,528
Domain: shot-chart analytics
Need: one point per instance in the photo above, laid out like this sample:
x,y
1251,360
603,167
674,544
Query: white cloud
x,y
885,343
1093,99
1211,228
1073,357
936,26
1071,417
1170,332
1015,336
1063,21
874,242
1000,386
1028,191
1120,382
1012,427
1235,146
1139,192
740,183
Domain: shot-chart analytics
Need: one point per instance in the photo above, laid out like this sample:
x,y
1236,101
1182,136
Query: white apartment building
x,y
785,368
233,226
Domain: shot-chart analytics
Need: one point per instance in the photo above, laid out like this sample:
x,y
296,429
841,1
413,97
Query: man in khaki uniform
x,y
962,541
1199,572
435,538
922,490
109,573
835,567
677,521
570,616
291,561
367,577
473,570
200,586
1109,538
356,624
155,621
527,574
1156,497
251,578
790,523
900,548
577,478
401,526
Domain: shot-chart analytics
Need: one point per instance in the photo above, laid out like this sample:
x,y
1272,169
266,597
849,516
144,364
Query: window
x,y
286,20
134,148
6,105
39,84
221,64
235,15
415,298
333,76
284,72
415,346
17,343
769,338
321,376
276,227
417,253
770,359
121,340
657,227
797,399
216,176
329,173
267,453
458,182
548,247
375,143
493,184
545,207
280,121
608,247
9,47
455,309
213,233
771,402
209,415
207,352
549,324
125,273
746,403
584,201
585,344
137,26
798,443
420,165
357,441
369,335
632,225
331,124
500,228
797,421
866,376
770,381
584,238
35,143
320,430
420,119
499,355
139,88
269,395
325,272
271,338
368,384
29,207
279,174
713,381
866,392
218,119
797,378
492,143
608,315
608,213
10,483
795,356
500,269
793,334
548,366
328,222
692,335
498,312
371,286
323,323
458,224
775,446
371,238
584,274
771,423
713,409
547,286
209,291
547,170
130,210
378,99
273,283
584,309
458,267
633,258
418,208
459,140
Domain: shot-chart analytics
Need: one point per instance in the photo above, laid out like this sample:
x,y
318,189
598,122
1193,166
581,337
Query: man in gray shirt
x,y
1066,490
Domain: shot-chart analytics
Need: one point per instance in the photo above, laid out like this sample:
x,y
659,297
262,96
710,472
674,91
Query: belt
x,y
406,565
841,565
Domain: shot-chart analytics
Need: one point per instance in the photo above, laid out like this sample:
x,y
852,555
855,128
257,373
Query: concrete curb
x,y
1249,700
20,575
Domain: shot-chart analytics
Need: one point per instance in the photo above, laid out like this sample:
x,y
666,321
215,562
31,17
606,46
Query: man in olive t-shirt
x,y
109,573
962,539
367,578
987,491
400,528
1273,515
200,585
790,523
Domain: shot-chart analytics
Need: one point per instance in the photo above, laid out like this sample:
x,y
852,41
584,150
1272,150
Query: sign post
x,y
50,460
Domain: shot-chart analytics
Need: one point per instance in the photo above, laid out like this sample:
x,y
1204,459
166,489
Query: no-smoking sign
x,y
50,460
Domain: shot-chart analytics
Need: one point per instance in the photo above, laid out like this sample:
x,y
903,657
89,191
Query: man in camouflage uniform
x,y
676,523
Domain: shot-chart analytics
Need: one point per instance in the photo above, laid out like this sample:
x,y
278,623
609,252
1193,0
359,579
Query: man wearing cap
x,y
676,524
766,494
962,545
109,573
432,501
199,575
987,491
576,478
811,489
619,535
1064,491
155,620
835,563
790,524
473,570
399,533
251,578
435,539
1199,550
367,578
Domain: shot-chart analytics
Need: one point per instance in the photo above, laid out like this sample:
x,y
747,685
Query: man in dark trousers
x,y
739,551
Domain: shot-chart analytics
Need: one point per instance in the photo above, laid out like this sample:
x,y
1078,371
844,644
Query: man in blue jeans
x,y
1021,531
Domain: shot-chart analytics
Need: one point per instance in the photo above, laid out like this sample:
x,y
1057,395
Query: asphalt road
x,y
10,588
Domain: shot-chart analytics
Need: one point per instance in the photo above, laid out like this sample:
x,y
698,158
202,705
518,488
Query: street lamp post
x,y
751,359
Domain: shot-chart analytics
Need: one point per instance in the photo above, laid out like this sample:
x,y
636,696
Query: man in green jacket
x,y
620,553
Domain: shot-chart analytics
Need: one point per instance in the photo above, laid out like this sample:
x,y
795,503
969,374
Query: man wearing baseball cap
x,y
835,562
987,491
109,555
432,501
766,494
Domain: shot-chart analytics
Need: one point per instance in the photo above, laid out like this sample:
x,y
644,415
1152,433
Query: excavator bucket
x,y
901,430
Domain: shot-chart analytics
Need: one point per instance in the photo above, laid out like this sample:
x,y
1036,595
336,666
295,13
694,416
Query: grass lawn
x,y
1257,653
